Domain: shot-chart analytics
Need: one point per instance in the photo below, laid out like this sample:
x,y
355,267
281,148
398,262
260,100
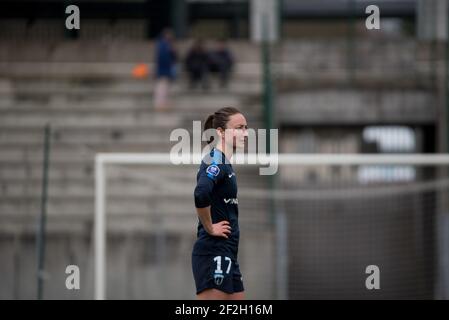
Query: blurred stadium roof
x,y
205,8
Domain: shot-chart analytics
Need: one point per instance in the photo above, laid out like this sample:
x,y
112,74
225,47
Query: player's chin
x,y
241,144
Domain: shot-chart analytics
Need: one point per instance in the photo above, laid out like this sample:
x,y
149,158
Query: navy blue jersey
x,y
217,187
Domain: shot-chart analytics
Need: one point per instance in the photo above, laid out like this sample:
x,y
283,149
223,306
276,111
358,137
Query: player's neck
x,y
226,151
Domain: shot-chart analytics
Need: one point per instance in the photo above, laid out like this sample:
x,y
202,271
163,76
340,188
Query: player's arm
x,y
220,229
203,195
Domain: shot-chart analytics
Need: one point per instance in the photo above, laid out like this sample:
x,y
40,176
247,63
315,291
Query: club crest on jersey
x,y
213,170
218,279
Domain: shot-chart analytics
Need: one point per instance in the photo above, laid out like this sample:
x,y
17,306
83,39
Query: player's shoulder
x,y
214,157
213,165
214,170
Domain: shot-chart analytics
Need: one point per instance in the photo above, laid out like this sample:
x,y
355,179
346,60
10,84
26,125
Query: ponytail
x,y
209,124
219,119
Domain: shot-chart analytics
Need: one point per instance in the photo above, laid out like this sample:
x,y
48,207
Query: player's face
x,y
236,131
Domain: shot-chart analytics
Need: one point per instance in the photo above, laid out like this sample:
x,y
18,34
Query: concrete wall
x,y
358,107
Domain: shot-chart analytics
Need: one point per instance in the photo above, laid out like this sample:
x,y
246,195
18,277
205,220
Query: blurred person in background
x,y
166,58
196,64
221,61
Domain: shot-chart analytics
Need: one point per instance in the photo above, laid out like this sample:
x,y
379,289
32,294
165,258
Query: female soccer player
x,y
214,257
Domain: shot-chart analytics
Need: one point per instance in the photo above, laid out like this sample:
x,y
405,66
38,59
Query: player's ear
x,y
221,132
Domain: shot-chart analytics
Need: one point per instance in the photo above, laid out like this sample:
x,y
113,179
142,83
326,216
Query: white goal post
x,y
104,159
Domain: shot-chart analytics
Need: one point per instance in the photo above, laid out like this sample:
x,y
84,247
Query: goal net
x,y
314,230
